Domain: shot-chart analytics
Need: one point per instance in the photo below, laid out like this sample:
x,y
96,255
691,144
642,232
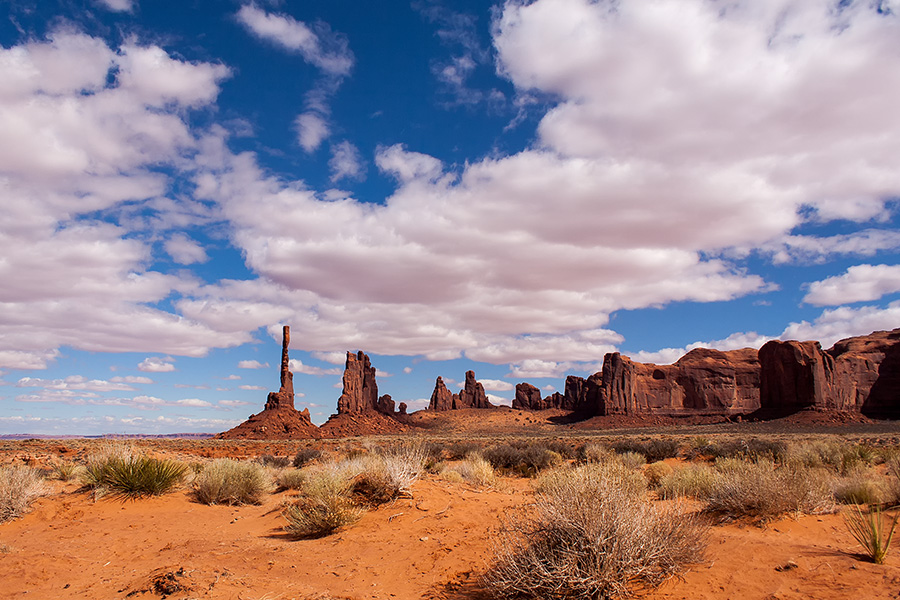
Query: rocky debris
x,y
360,393
284,397
386,405
279,420
441,397
472,395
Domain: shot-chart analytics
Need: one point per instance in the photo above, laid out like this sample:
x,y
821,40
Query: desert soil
x,y
433,545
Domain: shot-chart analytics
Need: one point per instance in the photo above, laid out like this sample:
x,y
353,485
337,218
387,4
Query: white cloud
x,y
496,385
234,403
131,379
312,129
322,48
117,5
498,400
335,358
233,378
345,163
14,359
859,283
195,402
735,341
843,322
155,364
184,250
407,370
297,366
252,364
534,368
251,387
75,382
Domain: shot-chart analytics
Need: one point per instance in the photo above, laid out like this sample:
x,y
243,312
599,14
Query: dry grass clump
x,y
752,449
274,462
63,470
871,531
653,450
291,479
595,453
611,473
761,491
326,503
19,487
692,480
837,456
473,469
592,537
228,481
655,472
525,461
633,460
860,487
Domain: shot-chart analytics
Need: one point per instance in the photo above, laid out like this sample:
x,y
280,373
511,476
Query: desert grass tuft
x,y
313,517
305,456
227,481
291,479
692,480
859,487
19,487
142,476
656,472
473,469
592,537
63,470
871,531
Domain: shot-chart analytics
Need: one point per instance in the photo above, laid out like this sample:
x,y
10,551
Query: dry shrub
x,y
313,517
595,453
96,468
227,481
63,470
305,456
524,461
752,449
652,450
633,460
274,462
19,487
592,537
763,492
474,469
655,472
459,450
837,456
612,473
291,479
693,480
859,487
892,483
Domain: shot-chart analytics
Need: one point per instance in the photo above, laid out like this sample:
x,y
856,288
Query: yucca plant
x,y
870,531
143,476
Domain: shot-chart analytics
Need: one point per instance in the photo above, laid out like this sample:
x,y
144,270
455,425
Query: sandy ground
x,y
433,545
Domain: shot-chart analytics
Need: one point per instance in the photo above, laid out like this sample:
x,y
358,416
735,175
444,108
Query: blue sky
x,y
515,188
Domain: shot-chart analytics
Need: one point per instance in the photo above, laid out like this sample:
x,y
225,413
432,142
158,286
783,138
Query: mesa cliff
x,y
859,374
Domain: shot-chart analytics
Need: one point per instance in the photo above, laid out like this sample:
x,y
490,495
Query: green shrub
x,y
305,456
591,537
692,480
141,476
227,481
19,487
870,531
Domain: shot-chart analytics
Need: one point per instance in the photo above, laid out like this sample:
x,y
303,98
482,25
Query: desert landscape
x,y
469,500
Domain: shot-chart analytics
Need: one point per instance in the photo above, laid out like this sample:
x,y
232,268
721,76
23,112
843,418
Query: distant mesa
x,y
471,396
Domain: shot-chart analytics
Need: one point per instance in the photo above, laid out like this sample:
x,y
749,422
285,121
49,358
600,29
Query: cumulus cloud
x,y
312,129
184,250
79,382
155,364
346,162
843,322
117,5
859,283
496,385
252,364
297,366
251,387
131,379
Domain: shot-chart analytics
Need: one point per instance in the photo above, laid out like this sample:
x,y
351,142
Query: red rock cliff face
x,y
360,393
701,382
441,397
867,374
795,376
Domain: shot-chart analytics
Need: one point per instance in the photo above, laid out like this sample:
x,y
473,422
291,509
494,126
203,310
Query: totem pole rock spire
x,y
284,397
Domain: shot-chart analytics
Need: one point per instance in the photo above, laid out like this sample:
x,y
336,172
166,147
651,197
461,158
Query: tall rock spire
x,y
284,397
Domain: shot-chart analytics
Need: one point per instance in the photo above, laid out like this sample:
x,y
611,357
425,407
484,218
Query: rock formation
x,y
793,376
386,405
360,393
528,397
471,396
441,397
279,419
